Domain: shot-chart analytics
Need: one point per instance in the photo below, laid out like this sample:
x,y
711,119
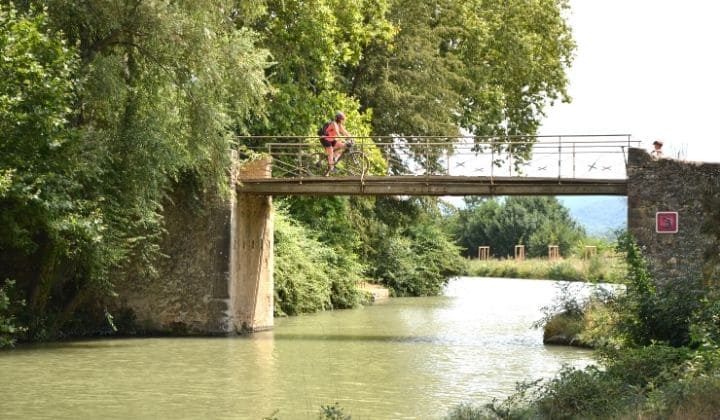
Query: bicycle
x,y
353,162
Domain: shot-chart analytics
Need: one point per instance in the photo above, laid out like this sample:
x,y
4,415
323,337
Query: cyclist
x,y
334,148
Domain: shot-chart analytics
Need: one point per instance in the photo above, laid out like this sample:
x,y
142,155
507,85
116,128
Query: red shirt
x,y
333,130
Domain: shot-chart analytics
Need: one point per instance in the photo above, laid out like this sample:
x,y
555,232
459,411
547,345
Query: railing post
x,y
427,158
492,161
447,157
559,157
573,160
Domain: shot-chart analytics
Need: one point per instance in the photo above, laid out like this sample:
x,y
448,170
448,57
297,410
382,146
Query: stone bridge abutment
x,y
668,191
217,277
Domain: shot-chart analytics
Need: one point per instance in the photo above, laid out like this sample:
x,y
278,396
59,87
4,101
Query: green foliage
x,y
8,328
653,365
52,232
333,412
411,255
603,268
102,108
598,269
400,242
648,313
533,221
648,382
705,327
105,107
311,43
579,316
489,68
310,275
336,218
467,411
564,271
694,398
588,393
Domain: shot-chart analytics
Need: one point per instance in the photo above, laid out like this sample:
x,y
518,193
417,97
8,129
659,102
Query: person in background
x,y
657,152
333,147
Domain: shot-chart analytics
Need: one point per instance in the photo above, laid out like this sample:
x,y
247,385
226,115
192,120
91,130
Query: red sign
x,y
666,222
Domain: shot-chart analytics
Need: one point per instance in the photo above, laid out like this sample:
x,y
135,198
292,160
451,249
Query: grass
x,y
606,268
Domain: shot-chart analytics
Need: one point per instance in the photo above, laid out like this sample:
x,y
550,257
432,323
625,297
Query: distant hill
x,y
599,215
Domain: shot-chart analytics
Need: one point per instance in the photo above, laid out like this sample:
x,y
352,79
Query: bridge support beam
x,y
251,262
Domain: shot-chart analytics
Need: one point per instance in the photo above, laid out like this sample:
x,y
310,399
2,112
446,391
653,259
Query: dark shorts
x,y
328,143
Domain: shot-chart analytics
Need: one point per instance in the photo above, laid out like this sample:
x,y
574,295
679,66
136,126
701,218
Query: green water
x,y
409,358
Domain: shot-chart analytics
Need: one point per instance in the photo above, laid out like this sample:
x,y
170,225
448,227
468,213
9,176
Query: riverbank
x,y
659,355
376,291
607,268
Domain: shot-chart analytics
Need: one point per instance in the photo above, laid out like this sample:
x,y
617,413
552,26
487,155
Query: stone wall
x,y
190,294
216,277
688,188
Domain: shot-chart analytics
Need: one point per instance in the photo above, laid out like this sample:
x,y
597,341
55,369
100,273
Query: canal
x,y
405,358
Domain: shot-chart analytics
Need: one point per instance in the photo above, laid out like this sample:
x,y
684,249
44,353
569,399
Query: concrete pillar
x,y
251,262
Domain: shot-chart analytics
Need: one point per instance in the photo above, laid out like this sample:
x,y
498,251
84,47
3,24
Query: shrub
x,y
564,271
468,411
8,327
417,262
333,412
695,399
587,393
311,276
648,314
642,366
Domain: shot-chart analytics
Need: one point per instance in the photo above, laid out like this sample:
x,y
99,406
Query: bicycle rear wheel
x,y
315,164
354,163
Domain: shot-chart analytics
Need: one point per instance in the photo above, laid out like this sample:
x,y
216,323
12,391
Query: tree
x,y
533,221
407,249
311,42
45,221
483,67
152,94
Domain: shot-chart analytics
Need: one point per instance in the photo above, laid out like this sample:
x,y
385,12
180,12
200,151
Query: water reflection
x,y
405,358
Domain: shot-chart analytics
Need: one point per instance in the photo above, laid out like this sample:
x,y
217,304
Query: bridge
x,y
218,277
442,166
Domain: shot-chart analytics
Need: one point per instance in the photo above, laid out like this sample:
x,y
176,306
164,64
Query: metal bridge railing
x,y
562,156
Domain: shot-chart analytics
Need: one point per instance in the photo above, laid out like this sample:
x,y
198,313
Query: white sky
x,y
650,68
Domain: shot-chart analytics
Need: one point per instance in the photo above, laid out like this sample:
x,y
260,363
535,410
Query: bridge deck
x,y
432,185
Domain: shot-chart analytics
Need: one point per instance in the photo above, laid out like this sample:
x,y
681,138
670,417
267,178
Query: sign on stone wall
x,y
666,222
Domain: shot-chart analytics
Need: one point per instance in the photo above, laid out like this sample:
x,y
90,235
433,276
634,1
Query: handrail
x,y
518,156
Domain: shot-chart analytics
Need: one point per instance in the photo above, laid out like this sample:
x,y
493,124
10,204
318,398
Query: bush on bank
x,y
416,262
311,276
8,327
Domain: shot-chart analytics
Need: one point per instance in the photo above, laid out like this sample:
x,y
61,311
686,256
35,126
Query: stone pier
x,y
216,277
252,255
